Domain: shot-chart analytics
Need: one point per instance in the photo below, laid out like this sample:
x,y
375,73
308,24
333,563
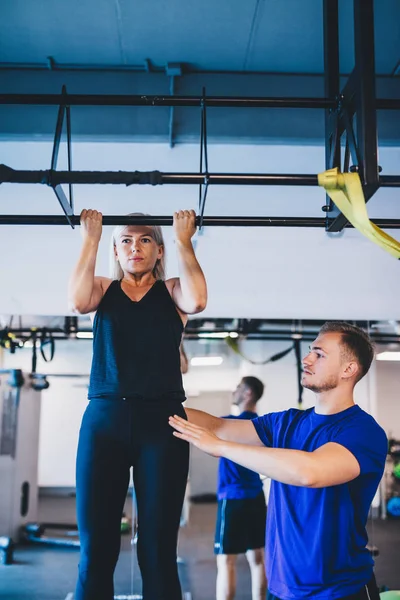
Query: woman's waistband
x,y
174,397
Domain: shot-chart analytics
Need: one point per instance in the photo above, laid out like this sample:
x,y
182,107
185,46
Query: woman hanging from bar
x,y
135,385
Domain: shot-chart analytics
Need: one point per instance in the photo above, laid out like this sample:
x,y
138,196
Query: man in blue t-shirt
x,y
325,464
240,527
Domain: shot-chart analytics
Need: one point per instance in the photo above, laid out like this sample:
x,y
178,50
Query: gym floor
x,y
48,573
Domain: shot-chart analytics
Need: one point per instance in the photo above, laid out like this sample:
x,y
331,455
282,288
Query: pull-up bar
x,y
238,221
350,111
54,178
66,99
183,101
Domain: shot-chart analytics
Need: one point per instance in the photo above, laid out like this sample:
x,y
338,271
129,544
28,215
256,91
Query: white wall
x,y
388,393
251,272
204,468
22,467
63,403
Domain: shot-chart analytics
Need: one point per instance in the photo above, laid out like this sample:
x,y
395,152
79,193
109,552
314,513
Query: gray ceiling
x,y
101,46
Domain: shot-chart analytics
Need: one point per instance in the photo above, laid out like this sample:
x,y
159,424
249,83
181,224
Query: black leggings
x,y
367,592
115,435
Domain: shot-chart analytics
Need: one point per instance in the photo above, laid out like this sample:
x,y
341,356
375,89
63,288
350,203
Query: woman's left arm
x,y
189,291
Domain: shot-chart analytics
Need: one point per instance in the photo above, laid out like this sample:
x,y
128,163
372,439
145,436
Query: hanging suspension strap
x,y
345,190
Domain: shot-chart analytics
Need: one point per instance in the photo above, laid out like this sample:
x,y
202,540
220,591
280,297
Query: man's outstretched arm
x,y
229,430
331,464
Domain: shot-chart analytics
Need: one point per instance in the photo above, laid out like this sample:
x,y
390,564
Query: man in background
x,y
240,527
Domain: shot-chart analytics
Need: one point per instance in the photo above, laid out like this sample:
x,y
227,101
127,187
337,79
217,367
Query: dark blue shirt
x,y
234,481
316,537
136,346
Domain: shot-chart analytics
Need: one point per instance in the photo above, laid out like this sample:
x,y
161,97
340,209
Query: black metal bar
x,y
360,99
145,100
346,110
389,181
214,101
201,153
332,155
57,135
388,104
69,152
59,192
350,138
8,175
204,109
363,101
203,150
193,333
332,79
203,205
334,150
215,221
171,113
349,94
332,89
366,112
65,205
346,160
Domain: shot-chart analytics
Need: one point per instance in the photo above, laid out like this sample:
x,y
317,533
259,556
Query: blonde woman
x,y
135,385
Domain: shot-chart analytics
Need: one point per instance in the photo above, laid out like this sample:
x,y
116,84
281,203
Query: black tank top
x,y
136,346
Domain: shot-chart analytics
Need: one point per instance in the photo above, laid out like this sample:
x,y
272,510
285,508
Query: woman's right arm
x,y
230,430
85,291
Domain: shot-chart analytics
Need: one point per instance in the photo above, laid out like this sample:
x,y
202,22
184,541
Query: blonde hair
x,y
116,271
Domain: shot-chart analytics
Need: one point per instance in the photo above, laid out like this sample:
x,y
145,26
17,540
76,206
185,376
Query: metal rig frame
x,y
357,103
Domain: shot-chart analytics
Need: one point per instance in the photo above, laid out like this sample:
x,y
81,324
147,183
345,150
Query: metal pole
x,y
332,80
212,101
389,181
53,178
360,97
145,100
215,221
332,89
366,112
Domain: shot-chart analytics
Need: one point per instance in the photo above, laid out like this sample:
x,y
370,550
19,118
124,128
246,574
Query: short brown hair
x,y
357,343
255,386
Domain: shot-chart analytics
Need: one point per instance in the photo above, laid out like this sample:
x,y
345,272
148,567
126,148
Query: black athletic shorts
x,y
240,525
367,592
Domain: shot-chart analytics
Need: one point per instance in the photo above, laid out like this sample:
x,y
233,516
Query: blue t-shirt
x,y
234,481
316,538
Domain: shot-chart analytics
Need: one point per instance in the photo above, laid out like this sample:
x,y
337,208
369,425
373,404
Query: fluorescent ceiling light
x,y
214,334
29,344
219,334
206,361
388,356
84,335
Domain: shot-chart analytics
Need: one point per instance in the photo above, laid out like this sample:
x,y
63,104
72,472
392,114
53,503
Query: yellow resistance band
x,y
346,192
